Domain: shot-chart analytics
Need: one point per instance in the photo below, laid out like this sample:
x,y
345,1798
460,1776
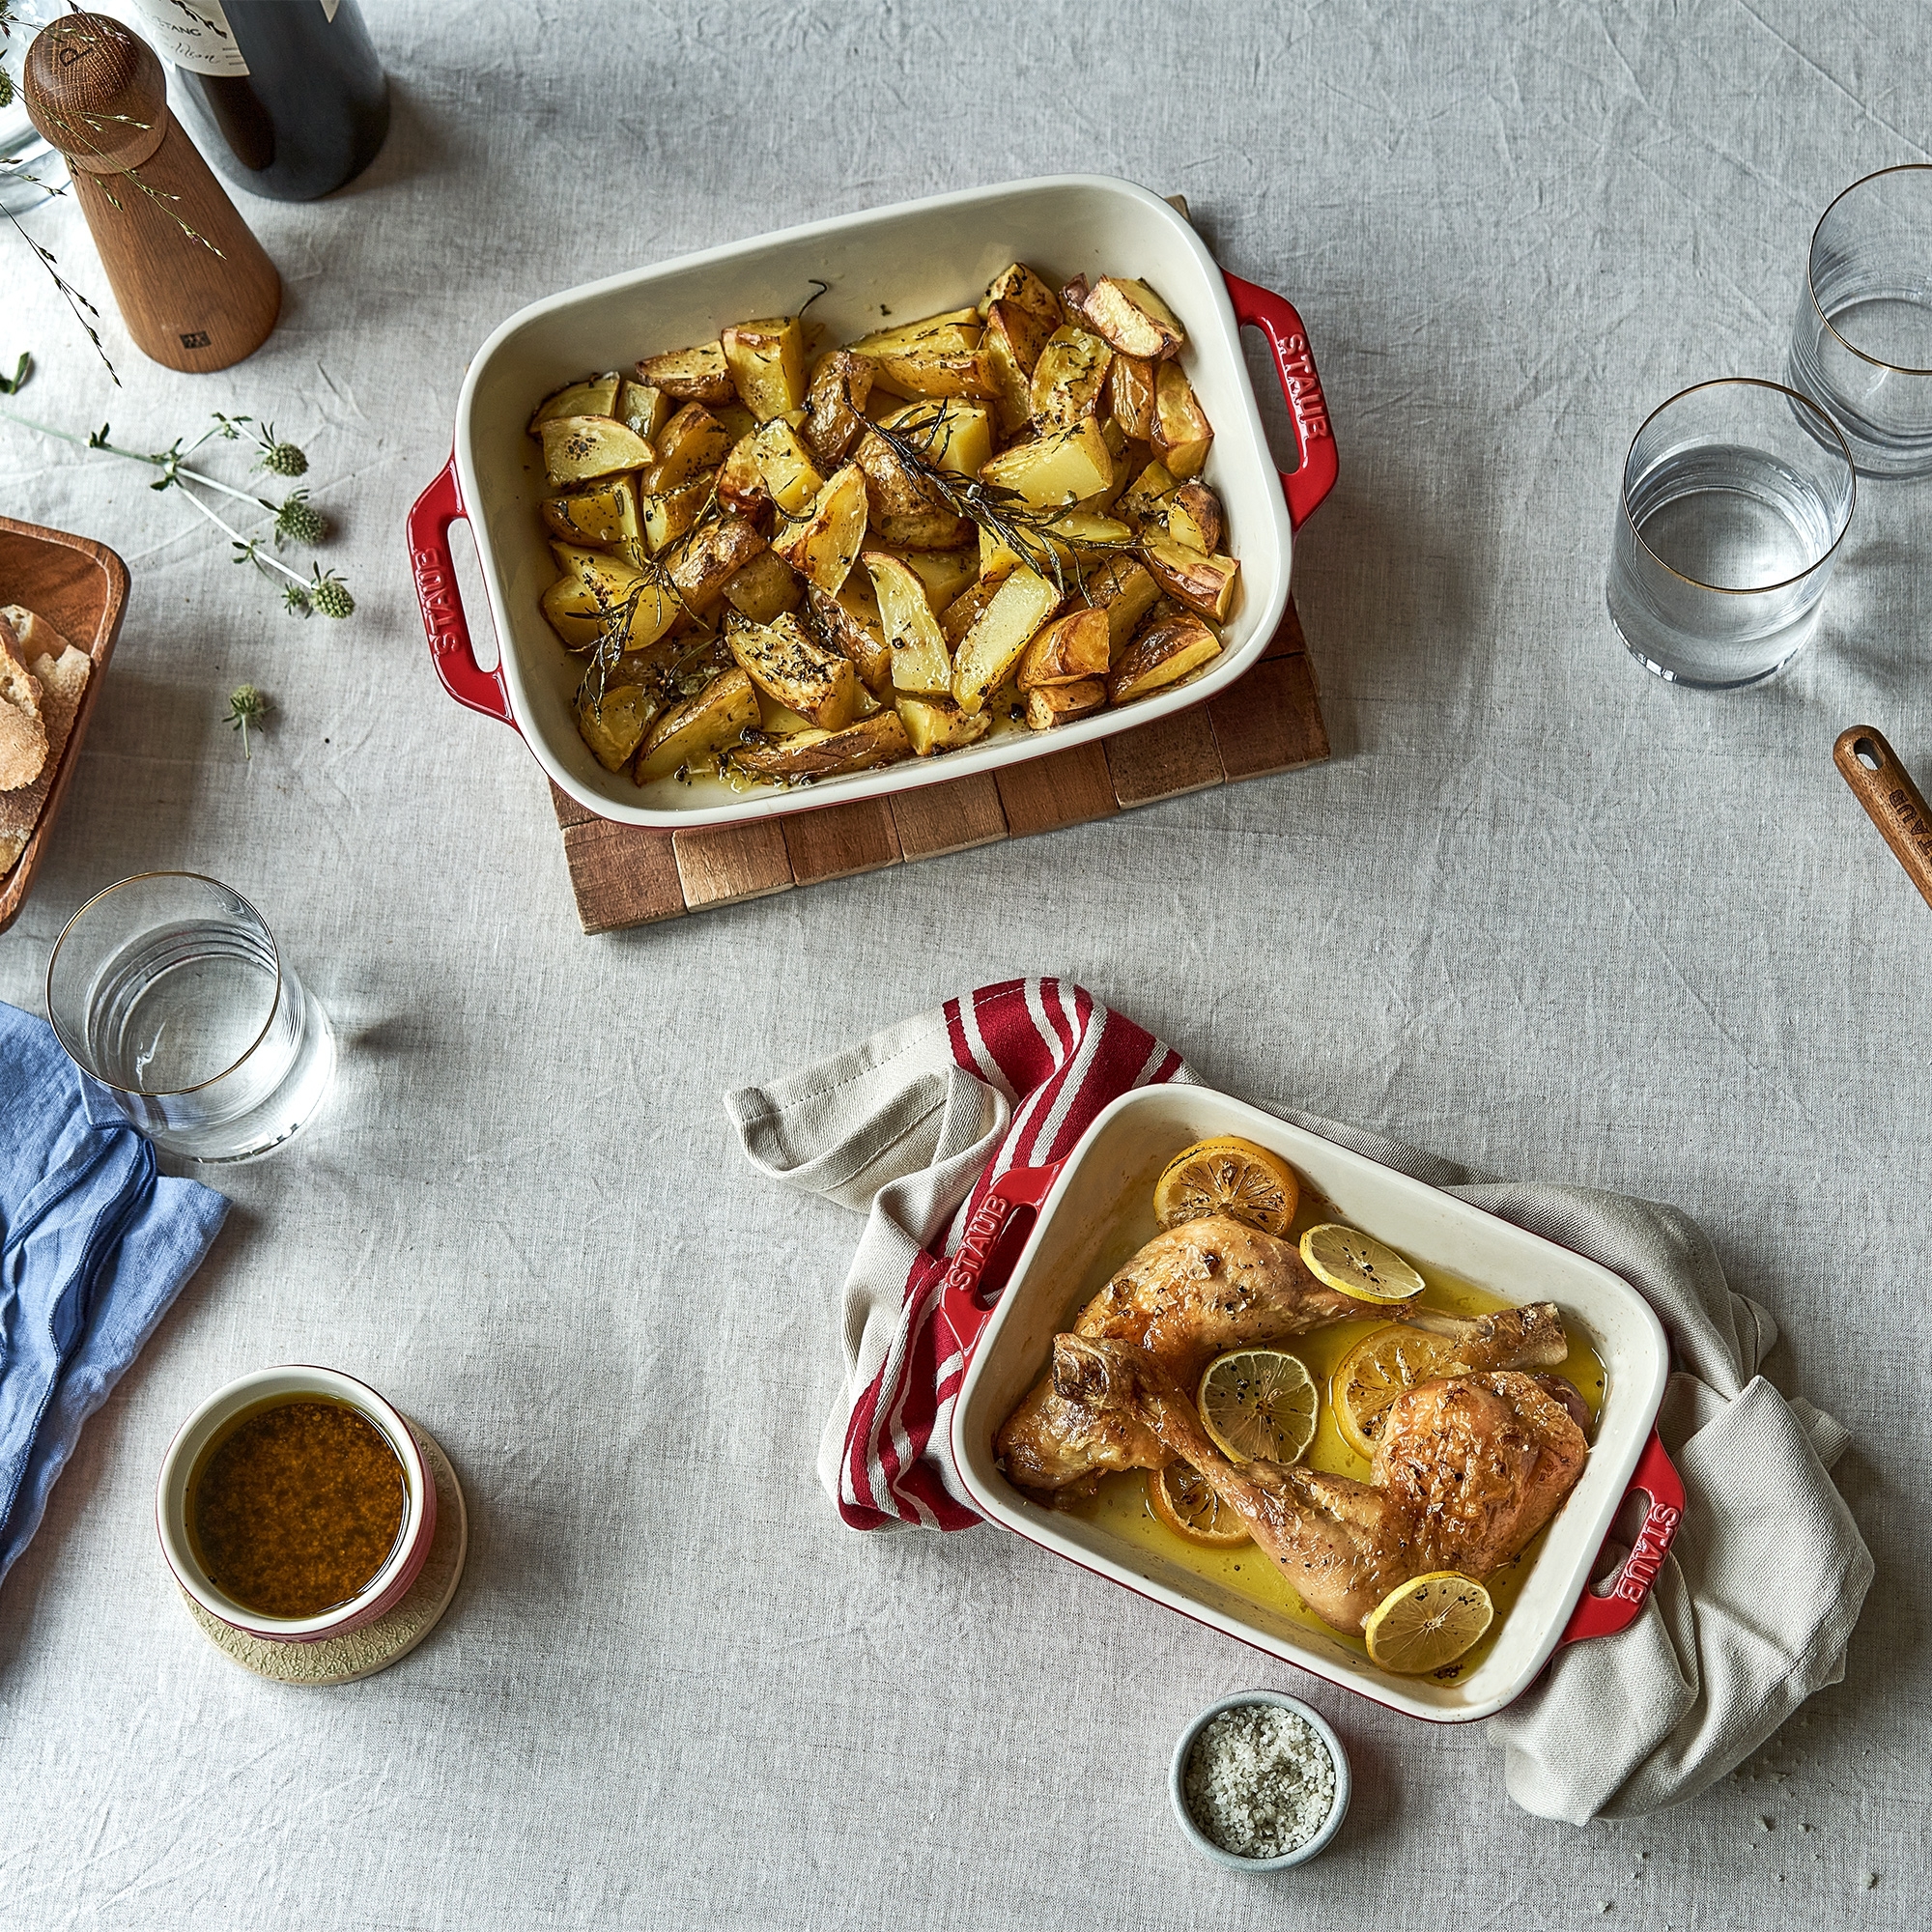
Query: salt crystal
x,y
1260,1782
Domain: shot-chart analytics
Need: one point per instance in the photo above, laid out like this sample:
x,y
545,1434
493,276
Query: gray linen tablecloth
x,y
1540,913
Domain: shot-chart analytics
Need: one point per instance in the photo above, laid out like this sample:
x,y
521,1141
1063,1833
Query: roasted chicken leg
x,y
1197,1291
1468,1469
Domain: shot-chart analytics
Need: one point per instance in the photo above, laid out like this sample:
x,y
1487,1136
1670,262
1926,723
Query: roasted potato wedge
x,y
1163,654
1205,585
921,529
1009,351
878,740
1055,468
945,573
890,341
701,728
1068,379
825,543
1146,498
692,441
710,556
694,375
1051,704
789,472
1070,650
941,366
597,397
764,587
892,489
794,669
1076,537
953,435
1193,518
1132,320
1130,396
1022,604
1182,435
668,514
644,409
767,363
605,518
613,725
1019,286
776,721
611,592
1125,590
840,387
1073,295
578,449
965,610
741,482
920,662
852,622
935,726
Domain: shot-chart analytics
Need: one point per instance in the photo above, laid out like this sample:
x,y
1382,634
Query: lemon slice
x,y
1428,1622
1369,1378
1358,1265
1258,1405
1227,1177
1179,1496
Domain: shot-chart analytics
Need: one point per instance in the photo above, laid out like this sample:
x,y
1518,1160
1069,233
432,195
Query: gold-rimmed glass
x,y
169,990
1736,495
1861,345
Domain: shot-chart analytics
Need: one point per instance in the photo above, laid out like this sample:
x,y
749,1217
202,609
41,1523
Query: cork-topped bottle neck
x,y
97,92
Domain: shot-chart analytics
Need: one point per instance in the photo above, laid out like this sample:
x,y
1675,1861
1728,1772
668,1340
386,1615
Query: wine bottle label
x,y
194,34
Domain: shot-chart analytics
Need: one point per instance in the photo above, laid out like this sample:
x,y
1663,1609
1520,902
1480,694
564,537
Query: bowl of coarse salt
x,y
1260,1782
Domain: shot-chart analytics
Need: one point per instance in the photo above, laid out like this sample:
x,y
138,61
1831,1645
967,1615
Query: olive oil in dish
x,y
296,1508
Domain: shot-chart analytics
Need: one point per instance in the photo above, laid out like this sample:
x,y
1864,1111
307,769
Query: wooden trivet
x,y
1267,722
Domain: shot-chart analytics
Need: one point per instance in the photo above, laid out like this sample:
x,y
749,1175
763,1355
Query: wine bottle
x,y
287,97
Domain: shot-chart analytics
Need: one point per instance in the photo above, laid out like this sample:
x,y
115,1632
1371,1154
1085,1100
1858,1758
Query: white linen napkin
x,y
1753,1608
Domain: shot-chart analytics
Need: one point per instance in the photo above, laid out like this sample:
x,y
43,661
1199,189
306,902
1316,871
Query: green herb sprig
x,y
297,521
1006,515
246,706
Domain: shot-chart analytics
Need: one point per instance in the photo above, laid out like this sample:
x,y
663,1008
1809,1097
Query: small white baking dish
x,y
917,258
1081,1206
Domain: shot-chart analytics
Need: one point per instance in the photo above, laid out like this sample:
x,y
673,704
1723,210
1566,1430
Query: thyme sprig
x,y
1023,528
296,518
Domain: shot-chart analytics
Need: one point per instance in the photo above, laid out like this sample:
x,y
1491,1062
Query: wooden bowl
x,y
80,588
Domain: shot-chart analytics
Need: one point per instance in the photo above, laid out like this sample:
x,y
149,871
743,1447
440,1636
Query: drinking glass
x,y
1735,496
169,989
1861,347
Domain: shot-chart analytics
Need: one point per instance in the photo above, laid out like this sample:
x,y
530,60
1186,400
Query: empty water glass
x,y
169,989
1735,496
1861,347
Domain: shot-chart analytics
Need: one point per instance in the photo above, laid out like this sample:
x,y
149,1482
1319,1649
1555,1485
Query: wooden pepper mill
x,y
194,300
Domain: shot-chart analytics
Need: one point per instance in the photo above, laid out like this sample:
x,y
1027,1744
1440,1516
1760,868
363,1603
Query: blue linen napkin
x,y
94,1246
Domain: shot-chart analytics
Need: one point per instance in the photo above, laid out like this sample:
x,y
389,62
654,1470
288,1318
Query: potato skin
x,y
1161,655
880,740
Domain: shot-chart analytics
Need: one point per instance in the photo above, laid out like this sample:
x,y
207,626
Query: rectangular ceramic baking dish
x,y
918,258
1081,1203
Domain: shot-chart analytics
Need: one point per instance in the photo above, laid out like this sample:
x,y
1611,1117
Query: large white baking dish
x,y
1083,1203
917,258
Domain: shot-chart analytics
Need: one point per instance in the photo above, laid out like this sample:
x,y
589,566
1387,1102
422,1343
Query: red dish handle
x,y
988,1249
463,677
1603,1613
1295,362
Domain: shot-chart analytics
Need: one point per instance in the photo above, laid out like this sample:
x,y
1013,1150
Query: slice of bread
x,y
23,737
60,680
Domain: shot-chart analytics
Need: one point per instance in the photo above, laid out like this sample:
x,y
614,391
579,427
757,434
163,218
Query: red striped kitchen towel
x,y
913,1125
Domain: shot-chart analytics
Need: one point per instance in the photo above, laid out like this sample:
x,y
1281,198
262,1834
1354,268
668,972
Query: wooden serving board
x,y
1268,722
80,588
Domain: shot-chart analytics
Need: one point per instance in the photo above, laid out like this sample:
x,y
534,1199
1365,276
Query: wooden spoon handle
x,y
1885,788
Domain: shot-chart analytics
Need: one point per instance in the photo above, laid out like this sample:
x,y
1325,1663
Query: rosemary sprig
x,y
246,706
1006,515
296,518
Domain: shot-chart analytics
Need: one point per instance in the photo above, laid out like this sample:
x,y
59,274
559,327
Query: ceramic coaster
x,y
342,1660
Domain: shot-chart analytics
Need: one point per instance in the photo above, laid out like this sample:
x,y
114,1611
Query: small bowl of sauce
x,y
293,1504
